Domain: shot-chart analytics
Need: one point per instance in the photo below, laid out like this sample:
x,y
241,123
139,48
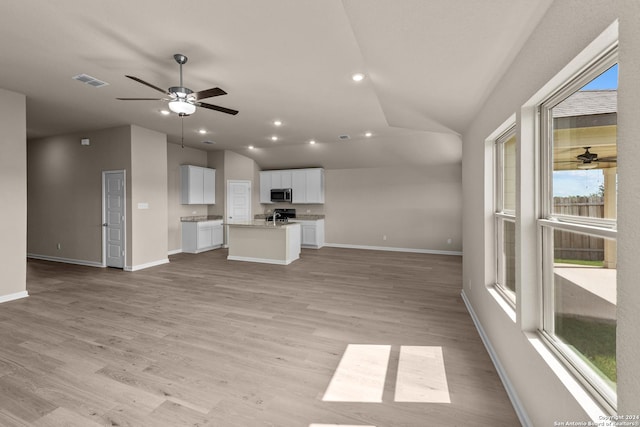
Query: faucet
x,y
275,215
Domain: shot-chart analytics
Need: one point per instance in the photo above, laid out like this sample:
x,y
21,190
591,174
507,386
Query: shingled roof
x,y
587,103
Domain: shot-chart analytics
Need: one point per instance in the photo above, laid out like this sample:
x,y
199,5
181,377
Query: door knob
x,y
105,224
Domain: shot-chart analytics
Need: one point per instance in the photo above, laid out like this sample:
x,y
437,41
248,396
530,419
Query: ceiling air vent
x,y
344,137
91,81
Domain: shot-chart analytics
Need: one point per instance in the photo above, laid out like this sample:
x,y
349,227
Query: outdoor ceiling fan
x,y
588,160
181,99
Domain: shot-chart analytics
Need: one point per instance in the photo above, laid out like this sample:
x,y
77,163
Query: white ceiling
x,y
429,65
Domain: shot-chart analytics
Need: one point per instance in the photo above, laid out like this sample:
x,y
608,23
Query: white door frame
x,y
228,198
228,203
104,217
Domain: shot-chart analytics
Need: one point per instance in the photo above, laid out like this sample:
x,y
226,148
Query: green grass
x,y
579,262
594,339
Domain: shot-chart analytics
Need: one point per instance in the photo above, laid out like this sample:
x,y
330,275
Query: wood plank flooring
x,y
207,342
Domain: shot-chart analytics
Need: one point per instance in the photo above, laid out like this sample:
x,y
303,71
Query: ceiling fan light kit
x,y
182,107
182,100
586,166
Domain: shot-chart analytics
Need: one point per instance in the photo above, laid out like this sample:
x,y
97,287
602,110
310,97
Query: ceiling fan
x,y
589,160
183,100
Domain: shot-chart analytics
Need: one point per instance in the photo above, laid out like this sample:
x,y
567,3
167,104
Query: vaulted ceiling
x,y
428,66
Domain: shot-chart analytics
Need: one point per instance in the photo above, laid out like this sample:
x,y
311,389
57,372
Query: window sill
x,y
583,397
506,305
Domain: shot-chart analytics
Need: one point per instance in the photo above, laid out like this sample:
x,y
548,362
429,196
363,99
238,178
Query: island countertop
x,y
200,218
260,223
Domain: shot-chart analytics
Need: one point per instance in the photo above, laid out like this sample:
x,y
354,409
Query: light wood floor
x,y
204,341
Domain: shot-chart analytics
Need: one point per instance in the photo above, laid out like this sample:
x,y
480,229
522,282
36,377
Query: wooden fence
x,y
578,246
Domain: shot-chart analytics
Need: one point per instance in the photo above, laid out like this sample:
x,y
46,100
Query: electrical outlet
x,y
448,241
384,237
59,246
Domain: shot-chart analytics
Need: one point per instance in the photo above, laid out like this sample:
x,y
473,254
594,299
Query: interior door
x,y
113,219
238,201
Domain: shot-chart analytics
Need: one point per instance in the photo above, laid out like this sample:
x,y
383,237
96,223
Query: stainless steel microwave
x,y
280,194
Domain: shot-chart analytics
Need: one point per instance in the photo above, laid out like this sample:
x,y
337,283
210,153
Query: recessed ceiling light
x,y
277,123
274,138
165,112
251,147
202,131
357,77
312,142
368,134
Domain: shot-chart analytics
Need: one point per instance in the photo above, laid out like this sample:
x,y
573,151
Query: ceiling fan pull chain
x,y
182,121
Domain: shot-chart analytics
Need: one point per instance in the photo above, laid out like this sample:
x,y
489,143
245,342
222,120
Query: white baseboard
x,y
175,251
66,260
146,265
511,392
393,249
13,297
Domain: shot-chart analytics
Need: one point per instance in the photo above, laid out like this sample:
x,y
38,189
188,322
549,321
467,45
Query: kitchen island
x,y
262,241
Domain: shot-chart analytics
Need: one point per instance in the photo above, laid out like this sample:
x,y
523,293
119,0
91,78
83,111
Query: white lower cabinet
x,y
312,233
202,236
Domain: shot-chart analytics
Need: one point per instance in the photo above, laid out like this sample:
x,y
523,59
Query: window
x,y
578,224
505,210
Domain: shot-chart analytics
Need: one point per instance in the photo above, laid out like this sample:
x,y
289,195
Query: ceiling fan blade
x,y
217,108
147,84
209,93
607,159
140,99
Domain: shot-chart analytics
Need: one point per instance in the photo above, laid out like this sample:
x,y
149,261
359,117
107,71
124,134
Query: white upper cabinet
x,y
285,179
198,185
307,184
265,186
209,186
315,186
299,186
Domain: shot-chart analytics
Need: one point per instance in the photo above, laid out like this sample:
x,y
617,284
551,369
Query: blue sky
x,y
577,182
606,80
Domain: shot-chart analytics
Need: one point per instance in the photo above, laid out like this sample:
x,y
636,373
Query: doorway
x,y
238,201
113,218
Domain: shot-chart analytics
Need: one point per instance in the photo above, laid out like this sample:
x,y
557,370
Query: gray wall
x,y
149,239
176,156
13,193
415,207
65,194
65,191
567,28
628,338
236,167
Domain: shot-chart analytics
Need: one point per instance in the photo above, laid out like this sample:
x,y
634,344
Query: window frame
x,y
548,222
502,215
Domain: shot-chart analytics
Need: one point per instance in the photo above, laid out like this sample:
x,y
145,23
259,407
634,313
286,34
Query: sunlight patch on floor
x,y
361,374
421,375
